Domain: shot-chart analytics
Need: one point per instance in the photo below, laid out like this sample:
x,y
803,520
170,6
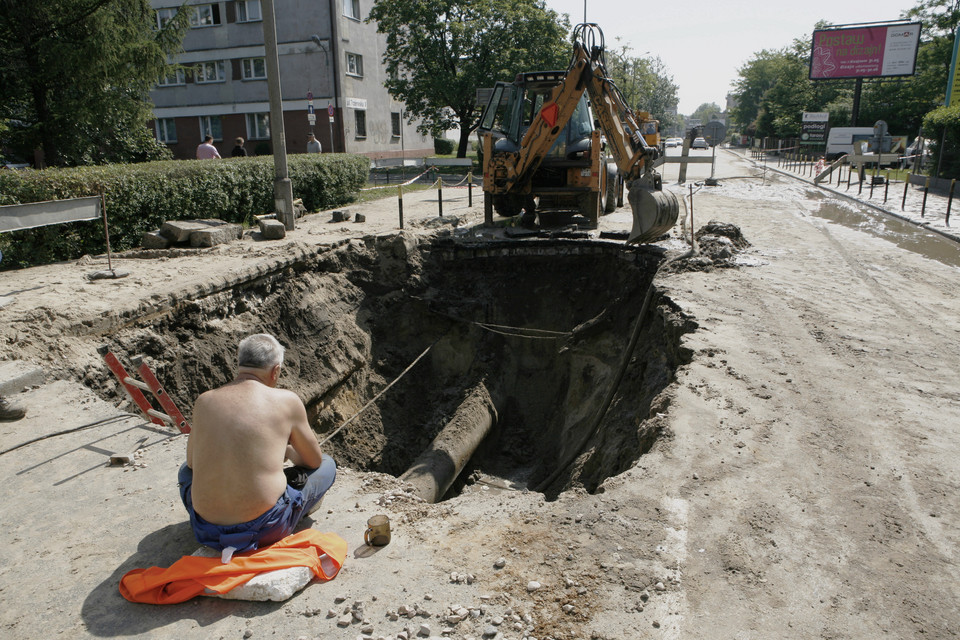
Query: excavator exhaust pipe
x,y
654,212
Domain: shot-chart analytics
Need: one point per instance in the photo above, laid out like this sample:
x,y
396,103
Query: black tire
x,y
610,197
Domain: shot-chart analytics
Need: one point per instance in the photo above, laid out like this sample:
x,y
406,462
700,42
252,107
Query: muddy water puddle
x,y
904,234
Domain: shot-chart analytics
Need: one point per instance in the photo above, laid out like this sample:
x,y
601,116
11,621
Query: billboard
x,y
865,52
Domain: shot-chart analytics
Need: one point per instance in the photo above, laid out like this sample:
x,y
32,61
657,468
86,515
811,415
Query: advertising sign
x,y
813,127
865,52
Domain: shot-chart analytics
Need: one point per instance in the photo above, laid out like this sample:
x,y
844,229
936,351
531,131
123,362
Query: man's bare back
x,y
238,445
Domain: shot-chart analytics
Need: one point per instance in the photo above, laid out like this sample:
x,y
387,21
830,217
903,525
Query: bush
x,y
443,147
943,123
141,197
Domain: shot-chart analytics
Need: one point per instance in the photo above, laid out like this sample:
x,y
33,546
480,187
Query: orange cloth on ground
x,y
191,575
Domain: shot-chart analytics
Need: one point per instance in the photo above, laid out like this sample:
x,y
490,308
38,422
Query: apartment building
x,y
330,64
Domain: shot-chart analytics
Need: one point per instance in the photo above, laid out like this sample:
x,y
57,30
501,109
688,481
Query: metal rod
x,y
160,414
440,195
400,203
470,189
886,188
106,230
953,183
906,183
926,189
136,383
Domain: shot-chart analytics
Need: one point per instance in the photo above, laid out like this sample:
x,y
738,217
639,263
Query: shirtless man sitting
x,y
233,482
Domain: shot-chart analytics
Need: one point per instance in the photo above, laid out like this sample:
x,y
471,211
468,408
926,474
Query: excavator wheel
x,y
654,212
610,203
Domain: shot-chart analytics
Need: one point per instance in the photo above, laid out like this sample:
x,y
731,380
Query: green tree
x,y
645,84
439,52
706,112
903,102
76,76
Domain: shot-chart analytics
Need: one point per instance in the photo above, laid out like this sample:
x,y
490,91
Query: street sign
x,y
714,132
310,109
309,95
331,119
813,127
312,118
330,110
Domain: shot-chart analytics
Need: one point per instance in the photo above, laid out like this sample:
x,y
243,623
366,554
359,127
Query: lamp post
x,y
282,187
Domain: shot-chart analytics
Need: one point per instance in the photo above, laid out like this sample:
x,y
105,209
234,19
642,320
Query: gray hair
x,y
260,351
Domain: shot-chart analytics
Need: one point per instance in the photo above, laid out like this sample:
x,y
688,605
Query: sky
x,y
704,42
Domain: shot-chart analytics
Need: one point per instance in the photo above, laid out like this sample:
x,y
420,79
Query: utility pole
x,y
282,187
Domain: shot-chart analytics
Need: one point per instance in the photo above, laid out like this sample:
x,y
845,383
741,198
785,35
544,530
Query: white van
x,y
841,140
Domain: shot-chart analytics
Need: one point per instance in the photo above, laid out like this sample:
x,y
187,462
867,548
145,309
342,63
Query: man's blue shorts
x,y
278,522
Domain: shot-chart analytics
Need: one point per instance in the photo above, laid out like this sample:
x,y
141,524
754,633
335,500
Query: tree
x,y
439,52
706,112
76,76
645,84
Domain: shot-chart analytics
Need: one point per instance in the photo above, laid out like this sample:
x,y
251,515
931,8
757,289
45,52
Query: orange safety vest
x,y
193,575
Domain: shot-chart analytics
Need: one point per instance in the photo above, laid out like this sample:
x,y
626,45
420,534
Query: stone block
x,y
272,229
360,218
213,235
153,240
341,216
180,230
15,375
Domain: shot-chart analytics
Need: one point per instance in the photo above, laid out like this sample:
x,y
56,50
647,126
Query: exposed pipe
x,y
434,471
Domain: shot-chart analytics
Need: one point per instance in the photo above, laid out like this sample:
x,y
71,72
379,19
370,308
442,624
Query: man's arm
x,y
303,450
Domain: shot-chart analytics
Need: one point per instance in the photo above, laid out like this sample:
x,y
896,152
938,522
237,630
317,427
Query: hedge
x,y
141,197
943,124
443,146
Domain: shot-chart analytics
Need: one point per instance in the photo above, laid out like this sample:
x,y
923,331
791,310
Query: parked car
x,y
699,143
671,142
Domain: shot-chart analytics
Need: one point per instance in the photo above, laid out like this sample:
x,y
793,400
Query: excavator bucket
x,y
654,212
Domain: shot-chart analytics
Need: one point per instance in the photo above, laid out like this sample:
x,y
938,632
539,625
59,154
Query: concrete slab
x,y
153,240
16,375
216,234
272,229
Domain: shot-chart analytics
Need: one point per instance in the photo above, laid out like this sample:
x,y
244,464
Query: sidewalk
x,y
932,217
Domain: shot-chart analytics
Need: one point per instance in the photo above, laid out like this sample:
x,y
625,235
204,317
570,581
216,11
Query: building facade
x,y
330,60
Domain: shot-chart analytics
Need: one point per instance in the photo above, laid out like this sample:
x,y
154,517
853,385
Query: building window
x,y
253,68
351,9
164,16
395,124
210,72
205,15
354,64
248,11
258,126
360,118
166,130
174,78
210,126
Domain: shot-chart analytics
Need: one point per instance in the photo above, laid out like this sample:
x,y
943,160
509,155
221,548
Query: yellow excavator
x,y
543,150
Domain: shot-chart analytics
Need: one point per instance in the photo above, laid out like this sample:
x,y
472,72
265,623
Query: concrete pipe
x,y
438,466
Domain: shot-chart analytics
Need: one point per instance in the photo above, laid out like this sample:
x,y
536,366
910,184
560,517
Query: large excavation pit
x,y
538,364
